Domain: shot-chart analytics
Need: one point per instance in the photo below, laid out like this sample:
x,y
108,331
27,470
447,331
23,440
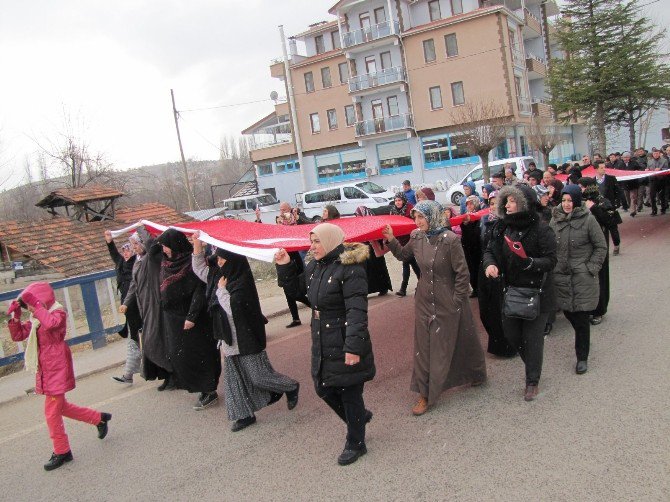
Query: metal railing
x,y
384,124
378,78
375,32
88,304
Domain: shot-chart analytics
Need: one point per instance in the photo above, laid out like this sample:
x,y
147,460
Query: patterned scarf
x,y
432,211
174,269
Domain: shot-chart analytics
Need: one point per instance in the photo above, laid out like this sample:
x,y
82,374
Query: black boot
x,y
57,460
243,423
292,398
103,428
349,455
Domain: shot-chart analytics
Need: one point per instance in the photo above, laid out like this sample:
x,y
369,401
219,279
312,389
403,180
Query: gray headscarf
x,y
432,211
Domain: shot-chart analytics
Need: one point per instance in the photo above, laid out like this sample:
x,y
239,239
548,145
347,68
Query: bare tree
x,y
543,135
482,126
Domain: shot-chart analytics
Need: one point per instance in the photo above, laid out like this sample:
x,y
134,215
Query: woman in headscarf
x,y
191,347
336,285
401,207
581,252
447,352
471,241
145,289
250,381
490,295
425,193
330,212
469,188
487,190
522,251
379,280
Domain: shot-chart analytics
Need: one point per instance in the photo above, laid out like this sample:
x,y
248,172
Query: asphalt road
x,y
601,436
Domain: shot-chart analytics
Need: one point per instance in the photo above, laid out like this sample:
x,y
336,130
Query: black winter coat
x,y
337,289
124,269
632,166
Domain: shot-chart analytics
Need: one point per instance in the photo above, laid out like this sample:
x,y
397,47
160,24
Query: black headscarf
x,y
177,267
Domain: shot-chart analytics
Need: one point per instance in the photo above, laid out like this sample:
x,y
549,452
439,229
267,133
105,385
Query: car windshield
x,y
370,187
475,175
266,200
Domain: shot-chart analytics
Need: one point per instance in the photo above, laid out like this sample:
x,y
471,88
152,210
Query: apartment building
x,y
374,91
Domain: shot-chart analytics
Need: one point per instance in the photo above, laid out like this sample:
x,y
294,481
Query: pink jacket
x,y
55,374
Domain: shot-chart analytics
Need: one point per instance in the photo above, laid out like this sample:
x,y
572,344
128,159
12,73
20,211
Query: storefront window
x,y
446,150
394,157
286,166
340,166
264,169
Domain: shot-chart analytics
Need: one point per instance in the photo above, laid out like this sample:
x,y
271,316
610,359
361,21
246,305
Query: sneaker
x,y
547,328
531,392
292,398
349,456
243,423
123,379
401,292
208,399
294,323
581,367
103,428
57,460
616,251
596,319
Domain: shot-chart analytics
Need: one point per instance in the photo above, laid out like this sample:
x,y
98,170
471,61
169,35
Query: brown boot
x,y
420,407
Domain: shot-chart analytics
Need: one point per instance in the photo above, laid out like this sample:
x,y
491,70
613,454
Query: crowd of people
x,y
542,247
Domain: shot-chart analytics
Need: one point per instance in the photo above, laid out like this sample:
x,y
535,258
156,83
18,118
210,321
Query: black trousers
x,y
582,326
616,238
406,265
658,185
348,403
527,337
293,305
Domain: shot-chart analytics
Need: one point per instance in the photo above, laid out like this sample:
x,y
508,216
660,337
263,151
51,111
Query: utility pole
x,y
187,183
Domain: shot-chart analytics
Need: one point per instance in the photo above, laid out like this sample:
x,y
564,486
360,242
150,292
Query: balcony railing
x,y
537,65
375,32
541,108
532,21
376,79
384,124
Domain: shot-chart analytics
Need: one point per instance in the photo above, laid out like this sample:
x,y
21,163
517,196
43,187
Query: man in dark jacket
x,y
631,187
658,184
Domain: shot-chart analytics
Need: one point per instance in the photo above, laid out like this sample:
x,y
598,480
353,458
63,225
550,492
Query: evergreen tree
x,y
644,81
582,84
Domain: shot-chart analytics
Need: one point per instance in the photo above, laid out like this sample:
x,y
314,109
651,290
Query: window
x,y
380,15
457,94
332,119
394,157
452,45
340,166
386,60
314,121
429,50
434,10
335,36
286,166
517,86
325,77
392,102
370,65
263,170
435,98
353,193
309,82
322,196
349,115
458,148
320,48
343,68
446,150
456,7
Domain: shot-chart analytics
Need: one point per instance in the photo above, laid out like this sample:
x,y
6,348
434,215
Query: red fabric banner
x,y
620,175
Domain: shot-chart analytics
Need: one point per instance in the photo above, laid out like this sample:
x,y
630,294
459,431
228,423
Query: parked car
x,y
244,208
345,197
455,191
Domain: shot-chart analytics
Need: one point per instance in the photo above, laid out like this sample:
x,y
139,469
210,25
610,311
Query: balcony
x,y
536,66
541,108
384,125
377,79
533,27
365,35
524,105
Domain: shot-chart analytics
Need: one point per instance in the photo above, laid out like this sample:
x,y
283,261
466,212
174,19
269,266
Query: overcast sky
x,y
111,65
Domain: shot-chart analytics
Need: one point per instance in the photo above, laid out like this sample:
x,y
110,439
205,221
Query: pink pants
x,y
55,408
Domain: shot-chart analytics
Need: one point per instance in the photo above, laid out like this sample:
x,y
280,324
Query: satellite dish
x,y
274,96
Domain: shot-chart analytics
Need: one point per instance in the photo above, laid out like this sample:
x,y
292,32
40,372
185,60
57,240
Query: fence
x,y
75,300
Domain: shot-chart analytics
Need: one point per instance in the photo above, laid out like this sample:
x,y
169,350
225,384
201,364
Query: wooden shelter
x,y
90,203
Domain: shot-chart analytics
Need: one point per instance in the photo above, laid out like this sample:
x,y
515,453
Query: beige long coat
x,y
447,351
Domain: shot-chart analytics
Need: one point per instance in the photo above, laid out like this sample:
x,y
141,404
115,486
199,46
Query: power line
x,y
231,105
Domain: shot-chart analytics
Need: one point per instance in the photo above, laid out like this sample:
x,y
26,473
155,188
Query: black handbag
x,y
521,302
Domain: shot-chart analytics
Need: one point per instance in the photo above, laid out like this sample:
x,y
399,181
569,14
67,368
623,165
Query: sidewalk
x,y
89,362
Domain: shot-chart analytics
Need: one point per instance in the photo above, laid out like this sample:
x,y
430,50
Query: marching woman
x,y
471,242
342,361
48,355
403,208
192,349
581,252
145,290
232,302
522,251
447,352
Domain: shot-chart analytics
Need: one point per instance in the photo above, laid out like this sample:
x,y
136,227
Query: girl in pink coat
x,y
53,360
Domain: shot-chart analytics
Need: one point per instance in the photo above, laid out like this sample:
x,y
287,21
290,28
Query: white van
x,y
244,208
455,192
346,198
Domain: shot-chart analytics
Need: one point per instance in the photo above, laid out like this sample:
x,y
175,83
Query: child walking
x,y
50,358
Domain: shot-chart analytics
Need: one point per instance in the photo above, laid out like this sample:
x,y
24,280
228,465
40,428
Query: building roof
x,y
158,213
445,21
205,214
72,247
72,196
316,28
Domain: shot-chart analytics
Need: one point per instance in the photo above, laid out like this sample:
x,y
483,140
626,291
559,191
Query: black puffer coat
x,y
537,239
124,269
337,289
